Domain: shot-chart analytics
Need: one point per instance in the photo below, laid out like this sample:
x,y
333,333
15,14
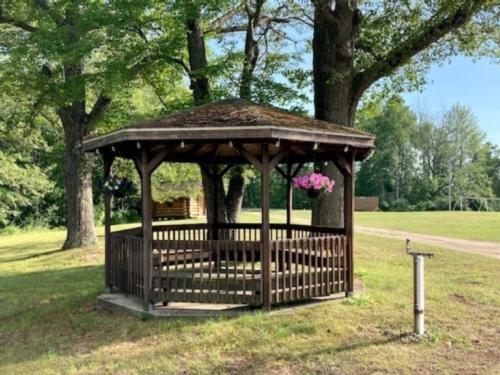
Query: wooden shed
x,y
366,204
180,208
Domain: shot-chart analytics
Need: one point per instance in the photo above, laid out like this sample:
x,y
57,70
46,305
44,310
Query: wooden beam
x,y
107,164
252,159
297,150
297,170
147,227
277,158
343,164
216,150
193,150
289,200
281,172
205,169
225,170
158,158
215,184
349,222
137,163
264,232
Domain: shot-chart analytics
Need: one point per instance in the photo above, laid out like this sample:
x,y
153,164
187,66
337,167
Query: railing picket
x,y
244,260
201,246
235,254
175,245
252,258
296,265
218,266
321,274
226,265
277,269
289,269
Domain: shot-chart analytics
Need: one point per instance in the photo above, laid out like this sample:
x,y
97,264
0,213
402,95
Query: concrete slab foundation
x,y
126,303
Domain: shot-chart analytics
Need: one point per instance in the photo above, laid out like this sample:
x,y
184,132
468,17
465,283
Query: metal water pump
x,y
418,288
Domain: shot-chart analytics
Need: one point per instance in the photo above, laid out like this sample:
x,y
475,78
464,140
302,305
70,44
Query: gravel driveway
x,y
491,249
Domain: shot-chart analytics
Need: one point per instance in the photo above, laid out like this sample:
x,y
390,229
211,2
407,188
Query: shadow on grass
x,y
33,256
30,246
352,346
57,307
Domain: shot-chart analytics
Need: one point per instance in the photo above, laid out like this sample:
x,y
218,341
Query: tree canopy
x,y
72,68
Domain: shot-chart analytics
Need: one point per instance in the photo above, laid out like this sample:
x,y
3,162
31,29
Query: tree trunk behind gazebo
x,y
229,204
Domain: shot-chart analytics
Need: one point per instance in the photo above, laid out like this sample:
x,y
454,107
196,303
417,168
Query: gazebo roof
x,y
219,124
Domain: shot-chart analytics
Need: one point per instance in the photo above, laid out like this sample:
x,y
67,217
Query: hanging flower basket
x,y
313,193
118,187
314,184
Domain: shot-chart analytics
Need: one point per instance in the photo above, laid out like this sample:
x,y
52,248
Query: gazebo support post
x,y
215,219
264,233
107,165
147,227
289,200
349,220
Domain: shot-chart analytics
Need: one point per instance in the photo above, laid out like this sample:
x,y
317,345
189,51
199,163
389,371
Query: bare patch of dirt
x,y
491,249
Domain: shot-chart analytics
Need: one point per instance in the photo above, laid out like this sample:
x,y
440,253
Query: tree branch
x,y
100,106
227,29
175,60
401,54
218,23
20,24
42,4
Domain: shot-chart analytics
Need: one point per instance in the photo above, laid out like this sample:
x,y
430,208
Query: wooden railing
x,y
124,262
206,271
308,267
185,232
240,231
188,265
251,231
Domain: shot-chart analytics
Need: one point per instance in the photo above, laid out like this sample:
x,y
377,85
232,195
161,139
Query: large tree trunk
x,y
77,179
200,87
79,204
333,94
77,165
210,200
234,197
228,206
197,60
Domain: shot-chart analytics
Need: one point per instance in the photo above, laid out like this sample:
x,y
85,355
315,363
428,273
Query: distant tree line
x,y
425,161
422,161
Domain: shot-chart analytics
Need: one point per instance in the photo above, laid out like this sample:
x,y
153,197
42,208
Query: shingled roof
x,y
239,112
237,120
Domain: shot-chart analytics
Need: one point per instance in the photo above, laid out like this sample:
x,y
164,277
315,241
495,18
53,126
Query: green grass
x,y
49,325
482,226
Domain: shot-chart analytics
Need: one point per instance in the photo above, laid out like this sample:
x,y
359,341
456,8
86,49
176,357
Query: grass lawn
x,y
482,226
48,323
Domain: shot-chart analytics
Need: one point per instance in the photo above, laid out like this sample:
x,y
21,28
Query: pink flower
x,y
313,181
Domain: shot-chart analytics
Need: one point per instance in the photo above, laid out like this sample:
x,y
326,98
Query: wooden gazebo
x,y
260,264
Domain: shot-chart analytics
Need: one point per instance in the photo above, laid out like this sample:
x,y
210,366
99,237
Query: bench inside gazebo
x,y
257,264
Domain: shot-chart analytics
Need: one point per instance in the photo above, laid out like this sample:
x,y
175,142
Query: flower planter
x,y
314,184
313,193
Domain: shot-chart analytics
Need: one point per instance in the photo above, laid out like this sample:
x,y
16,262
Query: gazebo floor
x,y
121,302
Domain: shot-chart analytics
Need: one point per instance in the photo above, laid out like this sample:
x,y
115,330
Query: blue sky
x,y
475,84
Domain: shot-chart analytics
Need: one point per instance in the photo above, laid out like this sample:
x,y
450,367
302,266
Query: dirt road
x,y
491,249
